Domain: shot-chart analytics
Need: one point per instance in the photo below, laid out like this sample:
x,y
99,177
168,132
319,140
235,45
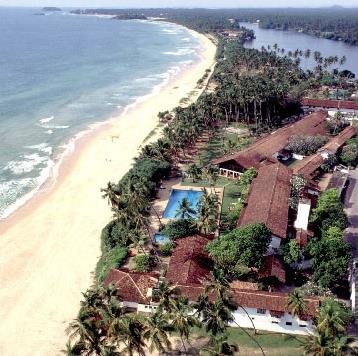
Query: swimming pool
x,y
176,197
161,239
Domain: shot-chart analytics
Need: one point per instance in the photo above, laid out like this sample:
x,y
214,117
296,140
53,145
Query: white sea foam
x,y
50,132
26,165
42,147
180,52
46,120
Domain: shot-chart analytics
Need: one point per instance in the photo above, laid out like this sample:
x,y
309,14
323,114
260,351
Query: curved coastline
x,y
50,245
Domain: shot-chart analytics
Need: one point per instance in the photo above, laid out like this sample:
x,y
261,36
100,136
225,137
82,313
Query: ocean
x,y
62,75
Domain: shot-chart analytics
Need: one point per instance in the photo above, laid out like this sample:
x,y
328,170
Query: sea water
x,y
63,74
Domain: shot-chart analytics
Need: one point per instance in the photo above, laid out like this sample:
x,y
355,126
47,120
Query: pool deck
x,y
163,197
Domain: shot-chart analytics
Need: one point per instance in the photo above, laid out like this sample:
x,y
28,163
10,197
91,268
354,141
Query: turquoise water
x,y
161,239
63,74
176,198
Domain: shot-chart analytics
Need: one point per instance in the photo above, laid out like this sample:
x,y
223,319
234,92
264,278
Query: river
x,y
290,41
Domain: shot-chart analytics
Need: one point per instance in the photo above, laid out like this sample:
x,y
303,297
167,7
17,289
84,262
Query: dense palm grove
x,y
331,23
262,90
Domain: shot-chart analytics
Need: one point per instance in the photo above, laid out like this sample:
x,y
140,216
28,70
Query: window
x,y
261,311
288,323
274,322
302,325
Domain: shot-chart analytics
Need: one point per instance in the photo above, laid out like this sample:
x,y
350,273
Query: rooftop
x,y
189,264
327,103
268,199
266,147
132,286
273,267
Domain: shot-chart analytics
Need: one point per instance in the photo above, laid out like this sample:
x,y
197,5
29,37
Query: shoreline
x,y
50,245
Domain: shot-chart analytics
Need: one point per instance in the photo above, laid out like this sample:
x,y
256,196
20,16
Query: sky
x,y
179,3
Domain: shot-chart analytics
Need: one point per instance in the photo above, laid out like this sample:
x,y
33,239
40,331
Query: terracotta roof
x,y
338,141
273,301
132,286
189,264
264,148
273,267
309,165
268,199
326,103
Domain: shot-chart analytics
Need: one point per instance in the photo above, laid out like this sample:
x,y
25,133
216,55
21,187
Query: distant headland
x,y
117,14
51,8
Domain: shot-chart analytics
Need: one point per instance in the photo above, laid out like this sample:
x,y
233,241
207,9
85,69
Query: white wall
x,y
268,323
274,245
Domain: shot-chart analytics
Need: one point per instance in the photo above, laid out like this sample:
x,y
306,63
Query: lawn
x,y
272,343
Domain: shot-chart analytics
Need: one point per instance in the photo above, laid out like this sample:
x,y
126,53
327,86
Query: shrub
x,y
166,248
114,234
142,263
179,228
111,259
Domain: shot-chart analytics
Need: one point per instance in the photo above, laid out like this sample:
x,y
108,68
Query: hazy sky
x,y
178,3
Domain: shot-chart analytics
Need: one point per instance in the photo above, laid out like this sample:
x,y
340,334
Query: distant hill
x,y
51,9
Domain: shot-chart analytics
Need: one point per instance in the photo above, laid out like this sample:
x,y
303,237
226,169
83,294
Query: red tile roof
x,y
309,165
273,267
273,301
334,104
338,141
268,199
253,156
189,264
132,286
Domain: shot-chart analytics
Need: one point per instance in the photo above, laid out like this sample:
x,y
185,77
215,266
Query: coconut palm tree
x,y
157,329
317,345
111,194
182,319
185,210
166,295
296,303
194,172
221,347
342,346
76,349
131,334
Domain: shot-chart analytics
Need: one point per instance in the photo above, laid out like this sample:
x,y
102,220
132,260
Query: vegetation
x,y
142,263
243,247
305,145
179,228
330,336
349,154
329,212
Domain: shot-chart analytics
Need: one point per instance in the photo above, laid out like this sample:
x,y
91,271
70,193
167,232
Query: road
x,y
351,208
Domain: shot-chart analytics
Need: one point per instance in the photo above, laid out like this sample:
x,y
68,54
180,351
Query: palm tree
x,y
343,346
77,349
182,319
317,345
194,172
166,294
184,209
296,303
130,332
221,346
330,321
157,328
110,193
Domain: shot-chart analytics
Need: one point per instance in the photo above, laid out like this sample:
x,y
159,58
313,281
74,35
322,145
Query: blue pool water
x,y
176,198
161,239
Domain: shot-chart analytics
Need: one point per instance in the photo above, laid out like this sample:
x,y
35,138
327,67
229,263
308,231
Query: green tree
x,y
245,246
157,329
220,346
185,210
296,303
329,212
180,228
194,171
291,252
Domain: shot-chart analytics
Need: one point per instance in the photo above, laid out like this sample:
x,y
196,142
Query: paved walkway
x,y
351,208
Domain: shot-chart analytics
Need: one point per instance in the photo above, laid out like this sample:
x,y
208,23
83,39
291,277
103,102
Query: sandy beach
x,y
50,246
